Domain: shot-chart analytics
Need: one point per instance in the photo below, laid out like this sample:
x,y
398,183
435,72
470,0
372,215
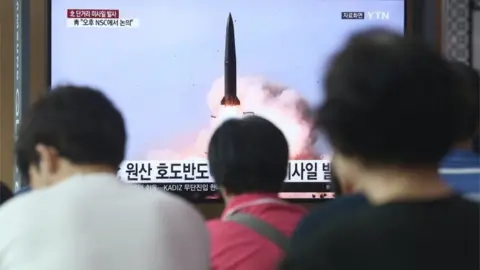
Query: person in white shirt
x,y
79,216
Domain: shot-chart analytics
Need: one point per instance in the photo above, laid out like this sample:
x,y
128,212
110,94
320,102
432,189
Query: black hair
x,y
390,100
469,81
81,123
248,155
5,193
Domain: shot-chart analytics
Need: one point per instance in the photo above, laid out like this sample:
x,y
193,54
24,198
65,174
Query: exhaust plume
x,y
281,105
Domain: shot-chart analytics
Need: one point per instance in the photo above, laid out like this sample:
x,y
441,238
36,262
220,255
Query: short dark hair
x,y
81,123
469,80
390,100
248,155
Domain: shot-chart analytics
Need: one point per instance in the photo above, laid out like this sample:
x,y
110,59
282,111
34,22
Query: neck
x,y
228,197
464,145
384,186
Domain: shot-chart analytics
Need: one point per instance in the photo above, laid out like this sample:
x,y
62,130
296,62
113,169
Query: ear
x,y
345,170
48,157
347,188
223,191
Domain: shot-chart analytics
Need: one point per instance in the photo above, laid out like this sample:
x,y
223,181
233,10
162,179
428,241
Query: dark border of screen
x,y
48,74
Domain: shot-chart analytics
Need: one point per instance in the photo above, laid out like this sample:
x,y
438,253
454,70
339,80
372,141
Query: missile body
x,y
230,96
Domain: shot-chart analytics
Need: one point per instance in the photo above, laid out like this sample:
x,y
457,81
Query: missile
x,y
230,96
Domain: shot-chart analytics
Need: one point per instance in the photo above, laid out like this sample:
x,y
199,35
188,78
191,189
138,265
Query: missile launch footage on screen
x,y
230,76
181,72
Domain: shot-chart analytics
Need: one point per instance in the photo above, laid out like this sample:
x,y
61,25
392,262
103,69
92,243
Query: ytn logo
x,y
378,15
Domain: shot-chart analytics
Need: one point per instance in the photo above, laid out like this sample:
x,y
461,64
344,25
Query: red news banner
x,y
99,18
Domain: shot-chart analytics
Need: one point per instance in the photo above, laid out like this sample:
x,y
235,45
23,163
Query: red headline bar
x,y
93,13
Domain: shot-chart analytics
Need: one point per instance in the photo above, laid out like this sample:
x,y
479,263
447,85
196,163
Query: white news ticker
x,y
306,195
149,171
102,23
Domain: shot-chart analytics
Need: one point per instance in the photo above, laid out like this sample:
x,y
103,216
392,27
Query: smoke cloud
x,y
281,105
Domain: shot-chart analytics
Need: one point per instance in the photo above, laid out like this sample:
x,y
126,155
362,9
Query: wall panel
x,y
37,78
476,36
6,92
38,49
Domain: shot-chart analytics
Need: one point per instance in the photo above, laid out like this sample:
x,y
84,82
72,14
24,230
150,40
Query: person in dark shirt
x,y
391,113
346,203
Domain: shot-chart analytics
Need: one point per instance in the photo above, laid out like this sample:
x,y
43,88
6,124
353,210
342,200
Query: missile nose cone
x,y
230,55
230,23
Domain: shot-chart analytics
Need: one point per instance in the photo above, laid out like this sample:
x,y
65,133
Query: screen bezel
x,y
48,74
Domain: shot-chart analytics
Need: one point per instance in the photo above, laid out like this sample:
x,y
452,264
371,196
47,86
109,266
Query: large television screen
x,y
176,69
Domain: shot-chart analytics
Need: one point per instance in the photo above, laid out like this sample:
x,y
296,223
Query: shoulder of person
x,y
325,247
320,217
331,234
17,213
172,204
20,204
182,221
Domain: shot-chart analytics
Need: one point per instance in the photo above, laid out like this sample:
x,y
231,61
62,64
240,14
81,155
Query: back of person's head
x,y
390,101
69,126
469,82
5,193
248,155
